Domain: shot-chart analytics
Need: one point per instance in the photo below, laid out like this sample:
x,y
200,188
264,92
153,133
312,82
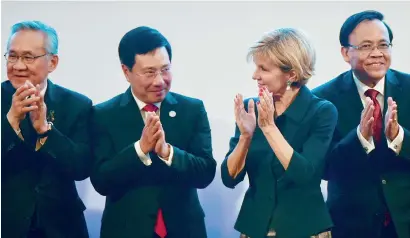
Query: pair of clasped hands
x,y
28,99
246,120
391,124
153,137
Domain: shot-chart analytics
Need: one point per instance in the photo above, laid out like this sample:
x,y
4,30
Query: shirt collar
x,y
142,104
43,91
362,88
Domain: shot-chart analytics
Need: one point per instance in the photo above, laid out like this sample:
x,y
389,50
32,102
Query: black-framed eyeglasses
x,y
367,47
27,59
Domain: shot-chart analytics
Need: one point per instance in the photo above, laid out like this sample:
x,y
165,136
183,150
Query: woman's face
x,y
270,76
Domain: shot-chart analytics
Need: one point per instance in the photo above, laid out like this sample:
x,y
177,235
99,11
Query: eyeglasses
x,y
151,74
366,47
27,59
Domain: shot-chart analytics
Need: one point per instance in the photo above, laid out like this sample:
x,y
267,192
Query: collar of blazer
x,y
299,107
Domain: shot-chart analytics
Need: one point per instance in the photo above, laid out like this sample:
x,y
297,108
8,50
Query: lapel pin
x,y
172,113
50,116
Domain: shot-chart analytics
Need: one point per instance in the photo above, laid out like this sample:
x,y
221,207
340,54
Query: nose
x,y
376,53
158,80
19,65
255,75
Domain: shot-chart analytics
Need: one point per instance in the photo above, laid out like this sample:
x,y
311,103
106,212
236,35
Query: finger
x,y
261,98
148,119
157,135
369,125
155,127
20,90
29,109
368,103
389,101
268,96
369,113
394,116
268,99
237,108
261,112
29,84
29,101
154,120
251,107
26,93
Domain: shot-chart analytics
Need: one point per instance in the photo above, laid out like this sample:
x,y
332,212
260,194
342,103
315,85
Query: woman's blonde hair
x,y
289,49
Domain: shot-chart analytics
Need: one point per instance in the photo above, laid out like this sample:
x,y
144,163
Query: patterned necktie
x,y
377,114
160,228
150,108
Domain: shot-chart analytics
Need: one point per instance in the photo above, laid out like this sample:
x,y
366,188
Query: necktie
x,y
160,228
150,108
377,114
377,131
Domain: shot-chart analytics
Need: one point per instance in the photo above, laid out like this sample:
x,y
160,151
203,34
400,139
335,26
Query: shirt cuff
x,y
171,155
368,146
145,159
396,144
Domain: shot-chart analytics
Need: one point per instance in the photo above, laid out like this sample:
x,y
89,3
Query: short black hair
x,y
351,23
141,40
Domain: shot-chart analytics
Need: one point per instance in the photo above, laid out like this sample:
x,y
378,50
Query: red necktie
x,y
377,130
377,114
150,108
160,228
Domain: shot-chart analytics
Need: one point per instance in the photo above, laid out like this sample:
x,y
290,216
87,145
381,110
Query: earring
x,y
288,83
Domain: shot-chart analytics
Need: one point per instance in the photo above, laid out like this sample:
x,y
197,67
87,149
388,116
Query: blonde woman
x,y
280,142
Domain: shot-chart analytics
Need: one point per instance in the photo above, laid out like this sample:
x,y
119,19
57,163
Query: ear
x,y
52,63
126,71
345,54
292,76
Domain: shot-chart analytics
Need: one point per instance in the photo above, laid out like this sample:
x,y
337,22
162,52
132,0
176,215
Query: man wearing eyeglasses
x,y
368,165
153,148
44,141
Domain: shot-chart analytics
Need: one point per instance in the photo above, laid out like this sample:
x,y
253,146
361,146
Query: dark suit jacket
x,y
292,197
42,184
355,179
135,191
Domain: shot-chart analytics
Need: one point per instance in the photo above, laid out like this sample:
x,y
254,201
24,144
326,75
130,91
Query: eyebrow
x,y
23,53
369,41
153,68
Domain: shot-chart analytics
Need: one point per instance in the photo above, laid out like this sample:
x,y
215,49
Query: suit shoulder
x,y
330,87
404,78
72,95
186,99
108,104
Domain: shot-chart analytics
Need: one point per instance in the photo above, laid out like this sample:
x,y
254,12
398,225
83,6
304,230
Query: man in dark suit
x,y
44,141
368,165
153,148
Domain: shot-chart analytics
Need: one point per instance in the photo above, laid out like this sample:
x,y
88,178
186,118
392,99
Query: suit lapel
x,y
392,88
350,104
52,99
129,117
169,116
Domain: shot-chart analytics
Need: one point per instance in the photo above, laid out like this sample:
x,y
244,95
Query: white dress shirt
x,y
368,146
145,158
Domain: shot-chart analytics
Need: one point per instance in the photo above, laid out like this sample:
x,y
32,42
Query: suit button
x,y
384,181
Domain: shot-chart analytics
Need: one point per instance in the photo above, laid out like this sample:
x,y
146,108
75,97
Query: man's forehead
x,y
153,59
27,41
372,31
